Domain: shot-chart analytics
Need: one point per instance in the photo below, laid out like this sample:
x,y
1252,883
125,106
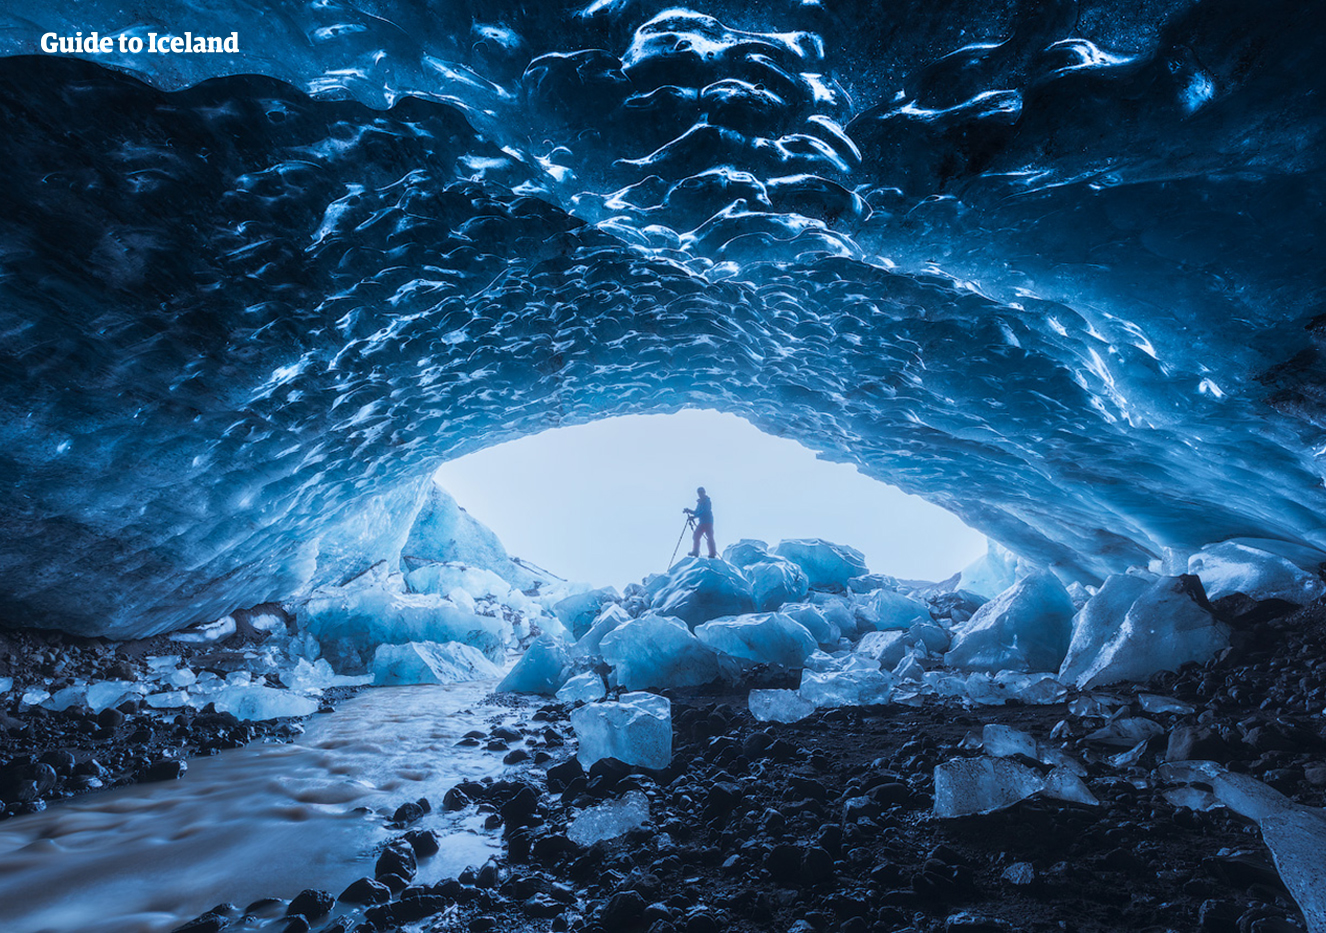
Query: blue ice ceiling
x,y
1056,267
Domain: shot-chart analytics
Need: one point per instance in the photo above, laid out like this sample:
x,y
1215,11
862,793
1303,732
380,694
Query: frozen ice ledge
x,y
1061,281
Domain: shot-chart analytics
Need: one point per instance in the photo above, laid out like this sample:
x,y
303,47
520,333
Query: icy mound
x,y
827,565
1026,628
698,589
1056,278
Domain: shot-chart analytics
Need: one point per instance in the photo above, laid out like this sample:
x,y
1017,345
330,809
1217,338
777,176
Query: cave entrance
x,y
601,502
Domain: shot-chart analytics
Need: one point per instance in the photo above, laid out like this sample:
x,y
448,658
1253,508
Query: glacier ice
x,y
1025,628
990,574
589,644
893,610
428,662
1167,626
542,669
442,531
351,620
846,687
827,565
966,786
769,638
779,705
775,581
815,621
609,820
635,729
1098,621
745,552
1261,569
582,688
658,651
579,611
698,589
1295,834
864,278
251,701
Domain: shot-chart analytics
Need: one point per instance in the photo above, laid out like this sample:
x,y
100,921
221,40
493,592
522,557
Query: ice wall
x,y
1050,266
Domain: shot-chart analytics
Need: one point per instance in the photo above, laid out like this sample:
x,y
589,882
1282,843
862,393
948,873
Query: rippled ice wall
x,y
1055,267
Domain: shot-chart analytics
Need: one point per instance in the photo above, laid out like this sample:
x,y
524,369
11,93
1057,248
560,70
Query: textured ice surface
x,y
609,820
609,619
1165,628
991,573
1295,834
847,687
350,621
578,612
779,705
1126,732
428,662
816,622
636,729
1025,628
745,552
894,610
582,688
250,701
965,786
775,581
1259,571
444,531
698,589
542,669
769,638
1053,276
658,651
1098,621
826,564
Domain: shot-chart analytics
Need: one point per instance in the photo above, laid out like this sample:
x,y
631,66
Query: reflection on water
x,y
266,820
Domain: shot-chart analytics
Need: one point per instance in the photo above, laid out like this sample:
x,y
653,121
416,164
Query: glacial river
x,y
265,820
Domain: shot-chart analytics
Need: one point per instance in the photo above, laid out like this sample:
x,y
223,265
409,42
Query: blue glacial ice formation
x,y
1048,265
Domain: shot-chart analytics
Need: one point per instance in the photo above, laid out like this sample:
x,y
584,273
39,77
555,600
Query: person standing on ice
x,y
703,513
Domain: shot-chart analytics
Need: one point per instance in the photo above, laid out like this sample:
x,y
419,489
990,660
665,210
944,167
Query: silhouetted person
x,y
703,513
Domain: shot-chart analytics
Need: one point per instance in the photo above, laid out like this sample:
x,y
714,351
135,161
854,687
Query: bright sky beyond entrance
x,y
602,502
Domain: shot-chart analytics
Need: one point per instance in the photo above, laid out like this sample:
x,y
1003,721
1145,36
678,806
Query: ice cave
x,y
1050,265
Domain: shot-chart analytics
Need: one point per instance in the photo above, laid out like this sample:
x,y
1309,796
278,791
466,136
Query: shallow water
x,y
265,820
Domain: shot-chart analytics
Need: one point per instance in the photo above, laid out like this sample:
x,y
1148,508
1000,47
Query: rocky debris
x,y
80,714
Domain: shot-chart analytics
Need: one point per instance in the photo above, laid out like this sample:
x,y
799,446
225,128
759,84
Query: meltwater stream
x,y
265,820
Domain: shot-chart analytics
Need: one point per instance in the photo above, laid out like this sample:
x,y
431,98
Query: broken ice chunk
x,y
254,702
637,729
1261,569
1157,704
34,696
775,581
219,630
1098,621
1167,626
428,662
108,693
827,565
1025,628
893,610
965,786
6,684
1295,834
779,705
745,552
769,638
851,687
816,622
1194,798
1126,733
909,668
886,649
540,670
1006,742
578,612
657,651
610,618
582,688
171,700
697,590
609,820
